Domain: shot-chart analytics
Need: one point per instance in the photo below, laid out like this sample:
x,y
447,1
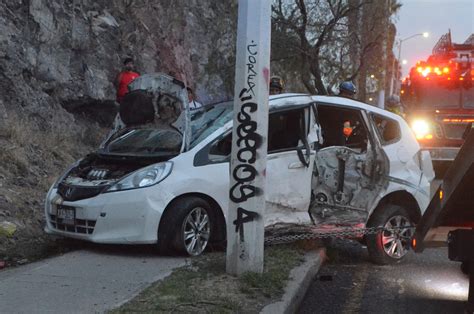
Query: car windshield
x,y
440,96
206,121
144,142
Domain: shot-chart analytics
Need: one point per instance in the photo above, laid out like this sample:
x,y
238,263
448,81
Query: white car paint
x,y
133,216
405,173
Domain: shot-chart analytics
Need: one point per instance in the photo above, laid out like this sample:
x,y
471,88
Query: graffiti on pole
x,y
248,141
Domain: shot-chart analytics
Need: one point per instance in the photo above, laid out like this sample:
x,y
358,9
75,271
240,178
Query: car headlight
x,y
422,129
144,177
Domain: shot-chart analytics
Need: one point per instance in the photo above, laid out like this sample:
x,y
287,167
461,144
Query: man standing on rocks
x,y
124,78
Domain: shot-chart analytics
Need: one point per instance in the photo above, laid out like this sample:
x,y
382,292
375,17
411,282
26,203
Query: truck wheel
x,y
390,245
186,227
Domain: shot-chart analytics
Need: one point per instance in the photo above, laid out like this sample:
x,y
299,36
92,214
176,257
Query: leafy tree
x,y
319,43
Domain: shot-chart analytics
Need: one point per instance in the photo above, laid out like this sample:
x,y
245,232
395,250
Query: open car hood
x,y
158,101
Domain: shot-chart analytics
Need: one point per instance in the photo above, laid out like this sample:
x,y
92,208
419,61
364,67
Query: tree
x,y
323,42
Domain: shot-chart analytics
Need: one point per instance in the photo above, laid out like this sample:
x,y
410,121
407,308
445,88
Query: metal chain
x,y
341,233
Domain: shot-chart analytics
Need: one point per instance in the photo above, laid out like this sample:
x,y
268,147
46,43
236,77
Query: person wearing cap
x,y
193,104
347,89
276,85
125,77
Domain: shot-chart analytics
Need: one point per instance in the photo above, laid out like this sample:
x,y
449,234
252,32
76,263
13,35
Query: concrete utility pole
x,y
245,221
383,78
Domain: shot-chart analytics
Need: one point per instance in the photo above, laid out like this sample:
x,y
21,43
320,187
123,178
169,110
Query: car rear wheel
x,y
392,244
187,227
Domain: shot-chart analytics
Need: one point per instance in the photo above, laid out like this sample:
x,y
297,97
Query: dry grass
x,y
204,286
31,158
27,147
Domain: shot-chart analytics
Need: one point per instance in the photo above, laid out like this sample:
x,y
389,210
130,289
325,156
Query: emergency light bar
x,y
425,71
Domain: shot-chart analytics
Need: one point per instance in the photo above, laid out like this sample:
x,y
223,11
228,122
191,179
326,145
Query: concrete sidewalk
x,y
90,280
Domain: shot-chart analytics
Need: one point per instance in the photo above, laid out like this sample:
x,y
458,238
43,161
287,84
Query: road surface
x,y
349,283
90,280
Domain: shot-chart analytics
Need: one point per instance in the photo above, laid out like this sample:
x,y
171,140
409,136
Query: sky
x,y
435,17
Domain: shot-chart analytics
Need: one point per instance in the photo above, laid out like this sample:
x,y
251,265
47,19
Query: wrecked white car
x,y
331,161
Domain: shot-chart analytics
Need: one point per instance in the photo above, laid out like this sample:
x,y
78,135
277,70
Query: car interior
x,y
334,119
286,131
388,129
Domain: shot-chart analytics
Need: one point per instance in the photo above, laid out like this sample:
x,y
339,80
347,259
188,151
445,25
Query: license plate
x,y
66,214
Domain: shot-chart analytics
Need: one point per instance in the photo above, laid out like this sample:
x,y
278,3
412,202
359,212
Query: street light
x,y
400,42
404,61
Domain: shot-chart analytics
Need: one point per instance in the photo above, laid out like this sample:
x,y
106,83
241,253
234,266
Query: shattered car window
x,y
389,130
205,122
145,142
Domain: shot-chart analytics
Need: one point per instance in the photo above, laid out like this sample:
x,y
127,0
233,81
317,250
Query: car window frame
x,y
362,113
201,158
383,142
306,112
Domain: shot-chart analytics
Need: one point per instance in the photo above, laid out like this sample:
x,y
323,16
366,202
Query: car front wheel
x,y
187,227
390,245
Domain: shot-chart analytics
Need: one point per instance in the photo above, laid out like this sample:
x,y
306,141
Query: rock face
x,y
58,61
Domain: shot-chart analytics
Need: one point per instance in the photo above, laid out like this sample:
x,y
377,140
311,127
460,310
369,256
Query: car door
x,y
350,168
292,133
409,166
290,161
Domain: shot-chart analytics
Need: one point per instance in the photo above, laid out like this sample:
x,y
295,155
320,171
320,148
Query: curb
x,y
300,279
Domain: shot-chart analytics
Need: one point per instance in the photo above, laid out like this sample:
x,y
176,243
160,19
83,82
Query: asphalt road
x,y
422,283
91,280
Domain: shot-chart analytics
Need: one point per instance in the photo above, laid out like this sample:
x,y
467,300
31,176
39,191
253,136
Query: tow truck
x,y
439,98
452,209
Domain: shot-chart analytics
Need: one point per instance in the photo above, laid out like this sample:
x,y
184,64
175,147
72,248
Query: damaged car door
x,y
290,163
351,167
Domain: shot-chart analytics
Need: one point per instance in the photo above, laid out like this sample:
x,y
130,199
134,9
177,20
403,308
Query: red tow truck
x,y
439,98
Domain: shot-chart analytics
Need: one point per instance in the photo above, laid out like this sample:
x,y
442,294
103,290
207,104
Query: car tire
x,y
389,247
186,227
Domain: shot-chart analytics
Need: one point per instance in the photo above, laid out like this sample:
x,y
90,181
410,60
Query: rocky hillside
x,y
58,60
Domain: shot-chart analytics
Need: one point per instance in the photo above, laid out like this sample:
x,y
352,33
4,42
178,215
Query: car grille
x,y
454,130
74,193
83,226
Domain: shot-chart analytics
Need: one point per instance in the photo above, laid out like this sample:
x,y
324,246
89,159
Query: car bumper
x,y
442,153
125,217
